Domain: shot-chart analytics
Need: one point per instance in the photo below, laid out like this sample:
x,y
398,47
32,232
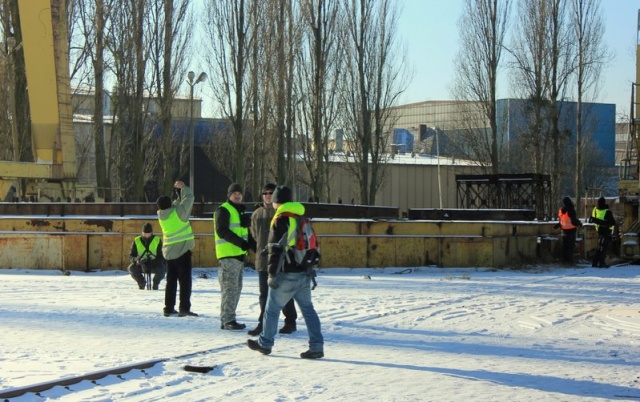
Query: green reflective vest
x,y
174,230
600,213
153,248
224,248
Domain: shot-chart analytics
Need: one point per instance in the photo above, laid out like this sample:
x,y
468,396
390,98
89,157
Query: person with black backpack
x,y
287,278
260,224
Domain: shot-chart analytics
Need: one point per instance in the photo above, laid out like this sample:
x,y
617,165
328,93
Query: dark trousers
x,y
568,244
601,251
178,272
289,309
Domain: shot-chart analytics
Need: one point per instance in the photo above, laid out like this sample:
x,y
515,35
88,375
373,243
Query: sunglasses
x,y
268,193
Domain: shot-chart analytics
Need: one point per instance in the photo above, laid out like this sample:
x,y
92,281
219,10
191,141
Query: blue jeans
x,y
294,285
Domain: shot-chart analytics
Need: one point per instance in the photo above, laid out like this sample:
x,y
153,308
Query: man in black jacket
x,y
146,257
233,241
605,222
287,279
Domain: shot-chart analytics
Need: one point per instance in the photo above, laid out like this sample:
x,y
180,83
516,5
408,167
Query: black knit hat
x,y
282,195
147,228
602,203
163,202
233,188
269,186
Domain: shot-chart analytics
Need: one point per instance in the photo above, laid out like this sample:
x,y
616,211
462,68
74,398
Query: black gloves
x,y
590,219
245,220
245,246
273,282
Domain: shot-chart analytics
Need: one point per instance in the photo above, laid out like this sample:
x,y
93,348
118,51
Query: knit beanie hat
x,y
233,188
602,203
147,228
282,195
163,202
269,186
566,201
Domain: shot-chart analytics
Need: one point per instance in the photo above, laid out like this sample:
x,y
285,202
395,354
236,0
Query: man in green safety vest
x,y
146,258
233,241
177,243
605,222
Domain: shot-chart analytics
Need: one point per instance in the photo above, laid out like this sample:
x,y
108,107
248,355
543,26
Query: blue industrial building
x,y
598,123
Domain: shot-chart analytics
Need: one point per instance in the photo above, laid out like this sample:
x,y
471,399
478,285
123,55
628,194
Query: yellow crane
x,y
46,56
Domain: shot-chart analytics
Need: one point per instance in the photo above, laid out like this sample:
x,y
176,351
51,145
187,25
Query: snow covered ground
x,y
421,334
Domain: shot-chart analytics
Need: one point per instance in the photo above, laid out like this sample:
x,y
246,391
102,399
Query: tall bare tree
x,y
373,82
230,31
319,68
591,55
483,27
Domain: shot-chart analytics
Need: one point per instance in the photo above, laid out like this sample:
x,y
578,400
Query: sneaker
x,y
255,345
311,355
288,328
256,331
187,314
233,326
170,313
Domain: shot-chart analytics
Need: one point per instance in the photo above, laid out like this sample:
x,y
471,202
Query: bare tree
x,y
318,72
230,31
483,26
591,55
373,83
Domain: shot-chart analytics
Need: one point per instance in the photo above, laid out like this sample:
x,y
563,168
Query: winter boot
x,y
288,328
256,331
311,355
255,345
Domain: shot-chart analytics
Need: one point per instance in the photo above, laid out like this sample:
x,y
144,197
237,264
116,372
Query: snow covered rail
x,y
117,371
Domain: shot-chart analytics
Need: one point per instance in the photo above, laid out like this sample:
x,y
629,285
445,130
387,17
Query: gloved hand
x,y
245,220
273,282
590,219
245,246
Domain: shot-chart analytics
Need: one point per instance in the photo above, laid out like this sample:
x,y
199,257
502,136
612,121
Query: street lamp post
x,y
190,76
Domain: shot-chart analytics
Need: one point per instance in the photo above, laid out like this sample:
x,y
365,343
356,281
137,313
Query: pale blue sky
x,y
430,32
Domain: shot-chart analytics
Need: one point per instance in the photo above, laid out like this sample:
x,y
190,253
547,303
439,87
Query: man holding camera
x,y
146,258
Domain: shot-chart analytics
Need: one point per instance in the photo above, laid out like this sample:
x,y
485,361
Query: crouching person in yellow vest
x,y
146,258
177,243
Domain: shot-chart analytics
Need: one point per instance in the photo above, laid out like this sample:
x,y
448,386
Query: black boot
x,y
288,328
256,331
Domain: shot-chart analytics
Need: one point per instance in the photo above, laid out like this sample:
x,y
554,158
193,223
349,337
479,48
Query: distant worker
x,y
605,222
569,223
146,258
177,243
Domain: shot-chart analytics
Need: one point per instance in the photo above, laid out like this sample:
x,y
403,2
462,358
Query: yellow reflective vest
x,y
153,247
224,248
174,230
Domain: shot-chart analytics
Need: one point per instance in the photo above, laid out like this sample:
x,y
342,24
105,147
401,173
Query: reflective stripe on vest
x,y
600,214
565,220
174,230
153,247
224,248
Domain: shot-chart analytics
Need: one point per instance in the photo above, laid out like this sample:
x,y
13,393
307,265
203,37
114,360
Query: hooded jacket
x,y
603,217
280,227
569,209
182,207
